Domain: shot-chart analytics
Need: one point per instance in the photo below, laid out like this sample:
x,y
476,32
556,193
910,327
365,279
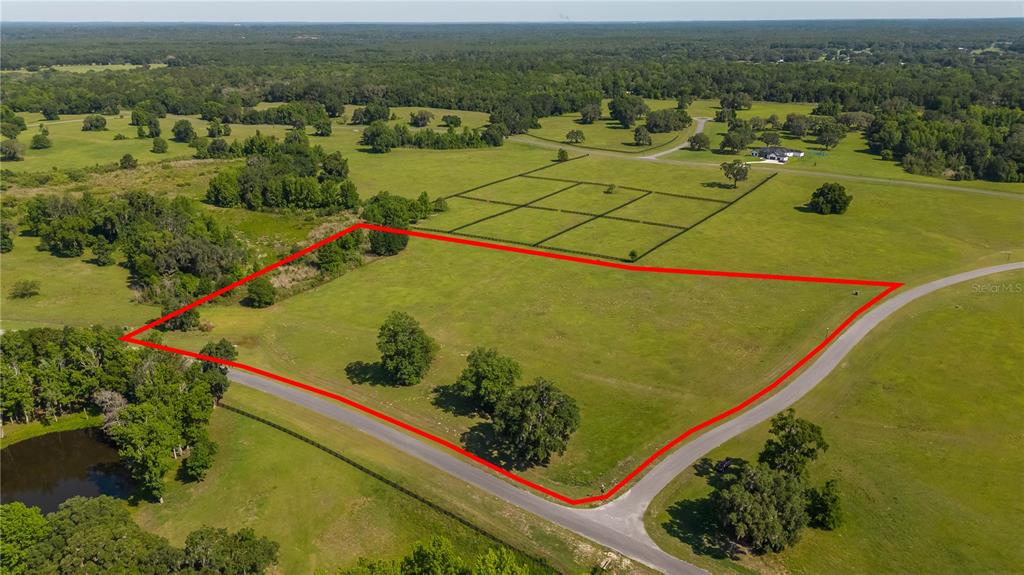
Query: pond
x,y
47,470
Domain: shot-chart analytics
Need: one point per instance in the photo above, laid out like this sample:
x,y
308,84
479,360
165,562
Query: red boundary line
x,y
890,287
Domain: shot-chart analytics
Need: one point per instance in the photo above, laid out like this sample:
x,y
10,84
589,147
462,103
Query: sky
x,y
495,10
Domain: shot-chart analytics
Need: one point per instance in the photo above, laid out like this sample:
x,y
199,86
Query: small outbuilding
x,y
776,153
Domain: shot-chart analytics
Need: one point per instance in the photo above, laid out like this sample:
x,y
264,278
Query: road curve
x,y
619,525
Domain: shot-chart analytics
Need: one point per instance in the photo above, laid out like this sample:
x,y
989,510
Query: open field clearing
x,y
325,512
921,420
889,232
71,292
652,354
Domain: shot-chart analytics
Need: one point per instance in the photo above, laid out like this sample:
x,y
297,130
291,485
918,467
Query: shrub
x,y
23,289
128,162
563,155
40,142
94,123
159,146
699,141
261,293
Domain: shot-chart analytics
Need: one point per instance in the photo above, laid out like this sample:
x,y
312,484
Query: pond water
x,y
45,471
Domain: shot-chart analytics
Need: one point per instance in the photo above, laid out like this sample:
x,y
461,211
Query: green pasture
x,y
614,238
652,354
922,421
889,232
525,225
590,198
72,291
608,134
324,512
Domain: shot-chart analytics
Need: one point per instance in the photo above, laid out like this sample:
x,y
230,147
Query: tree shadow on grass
x,y
482,440
364,373
717,185
692,522
804,209
449,400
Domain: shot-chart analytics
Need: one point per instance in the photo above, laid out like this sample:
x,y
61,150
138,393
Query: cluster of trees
x,y
288,174
155,405
173,250
98,535
11,125
437,556
532,422
765,505
976,143
397,212
382,137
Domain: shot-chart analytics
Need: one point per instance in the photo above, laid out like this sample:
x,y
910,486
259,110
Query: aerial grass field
x,y
325,512
889,232
652,354
608,134
922,421
71,292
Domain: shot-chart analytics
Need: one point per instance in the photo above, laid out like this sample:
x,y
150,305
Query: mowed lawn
x,y
324,512
649,355
924,427
608,134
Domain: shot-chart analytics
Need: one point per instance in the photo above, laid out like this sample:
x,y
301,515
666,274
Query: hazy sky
x,y
492,11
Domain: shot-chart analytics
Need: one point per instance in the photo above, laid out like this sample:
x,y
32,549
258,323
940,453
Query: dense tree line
x,y
765,505
973,143
173,250
98,535
382,137
155,405
535,68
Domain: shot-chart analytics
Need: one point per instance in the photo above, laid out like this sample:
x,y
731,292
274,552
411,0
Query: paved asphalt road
x,y
619,525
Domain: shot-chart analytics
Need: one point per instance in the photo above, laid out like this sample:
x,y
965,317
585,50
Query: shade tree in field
x,y
830,198
94,123
590,113
736,170
11,124
127,162
421,118
535,422
575,137
771,138
12,151
626,109
371,113
159,146
183,131
562,155
488,378
41,141
739,136
406,351
451,120
641,137
765,505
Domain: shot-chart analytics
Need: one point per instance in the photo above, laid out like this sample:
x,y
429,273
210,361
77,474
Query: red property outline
x,y
890,287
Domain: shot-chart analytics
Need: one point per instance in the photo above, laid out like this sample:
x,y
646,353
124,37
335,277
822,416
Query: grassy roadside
x,y
326,513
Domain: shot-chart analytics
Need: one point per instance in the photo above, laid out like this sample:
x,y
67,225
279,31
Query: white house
x,y
776,153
